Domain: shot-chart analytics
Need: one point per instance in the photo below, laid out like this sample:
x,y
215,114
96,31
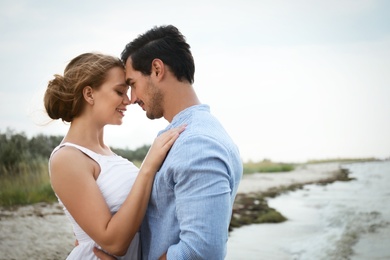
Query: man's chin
x,y
152,117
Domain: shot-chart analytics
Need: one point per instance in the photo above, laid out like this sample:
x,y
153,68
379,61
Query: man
x,y
191,203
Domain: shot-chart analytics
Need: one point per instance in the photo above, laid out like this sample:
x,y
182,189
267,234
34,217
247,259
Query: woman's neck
x,y
88,135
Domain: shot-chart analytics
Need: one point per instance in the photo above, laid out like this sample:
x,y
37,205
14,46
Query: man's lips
x,y
141,104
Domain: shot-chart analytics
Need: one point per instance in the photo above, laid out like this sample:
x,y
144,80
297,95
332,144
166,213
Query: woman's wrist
x,y
148,170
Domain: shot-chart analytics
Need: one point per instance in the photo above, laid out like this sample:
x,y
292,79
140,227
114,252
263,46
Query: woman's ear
x,y
158,69
88,94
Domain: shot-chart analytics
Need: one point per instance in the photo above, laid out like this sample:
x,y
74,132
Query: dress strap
x,y
84,150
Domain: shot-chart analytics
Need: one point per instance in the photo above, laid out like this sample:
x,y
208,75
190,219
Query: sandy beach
x,y
303,174
41,231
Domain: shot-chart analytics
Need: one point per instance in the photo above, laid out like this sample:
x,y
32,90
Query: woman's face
x,y
111,99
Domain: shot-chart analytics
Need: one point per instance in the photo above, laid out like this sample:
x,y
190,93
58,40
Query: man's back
x,y
193,193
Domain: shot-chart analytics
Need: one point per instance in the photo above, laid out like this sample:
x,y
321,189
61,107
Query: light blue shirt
x,y
191,203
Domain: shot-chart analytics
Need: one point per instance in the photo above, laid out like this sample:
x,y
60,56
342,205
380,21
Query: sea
x,y
341,220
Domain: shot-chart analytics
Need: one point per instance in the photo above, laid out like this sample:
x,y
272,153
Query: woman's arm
x,y
72,178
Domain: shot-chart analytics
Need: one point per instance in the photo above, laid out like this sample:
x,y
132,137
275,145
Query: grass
x,y
26,183
343,160
267,166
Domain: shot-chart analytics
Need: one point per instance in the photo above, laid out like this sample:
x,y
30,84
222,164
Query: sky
x,y
291,81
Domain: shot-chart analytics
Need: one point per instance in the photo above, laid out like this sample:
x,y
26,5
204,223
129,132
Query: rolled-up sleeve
x,y
201,182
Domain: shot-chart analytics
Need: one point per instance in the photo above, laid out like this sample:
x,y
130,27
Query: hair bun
x,y
58,100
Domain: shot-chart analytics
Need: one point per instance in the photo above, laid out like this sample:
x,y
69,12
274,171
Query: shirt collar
x,y
182,116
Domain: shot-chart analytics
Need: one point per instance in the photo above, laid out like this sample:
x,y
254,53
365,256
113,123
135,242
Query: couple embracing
x,y
178,204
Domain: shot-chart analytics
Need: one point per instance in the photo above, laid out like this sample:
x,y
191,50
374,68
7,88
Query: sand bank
x,y
41,231
303,174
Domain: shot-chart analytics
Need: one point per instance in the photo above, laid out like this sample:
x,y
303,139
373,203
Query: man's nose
x,y
133,97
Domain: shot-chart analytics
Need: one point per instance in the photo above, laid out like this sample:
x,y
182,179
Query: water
x,y
343,220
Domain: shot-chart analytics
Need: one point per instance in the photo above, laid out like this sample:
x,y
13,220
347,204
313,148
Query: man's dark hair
x,y
165,43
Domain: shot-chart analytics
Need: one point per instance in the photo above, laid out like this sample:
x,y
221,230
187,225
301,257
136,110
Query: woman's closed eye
x,y
120,93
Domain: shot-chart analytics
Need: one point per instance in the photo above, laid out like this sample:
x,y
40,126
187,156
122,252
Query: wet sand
x,y
41,231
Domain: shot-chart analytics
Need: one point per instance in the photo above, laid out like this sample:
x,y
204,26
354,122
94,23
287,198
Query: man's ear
x,y
88,94
158,69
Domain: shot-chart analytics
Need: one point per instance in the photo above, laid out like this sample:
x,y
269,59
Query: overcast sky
x,y
290,80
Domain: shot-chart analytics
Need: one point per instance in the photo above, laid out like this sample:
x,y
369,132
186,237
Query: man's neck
x,y
179,100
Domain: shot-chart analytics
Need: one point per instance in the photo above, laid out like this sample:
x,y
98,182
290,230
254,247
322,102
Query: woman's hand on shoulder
x,y
160,147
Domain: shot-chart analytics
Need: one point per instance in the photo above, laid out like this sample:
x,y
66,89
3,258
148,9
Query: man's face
x,y
144,92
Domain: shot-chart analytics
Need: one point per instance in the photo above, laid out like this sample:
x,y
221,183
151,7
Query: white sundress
x,y
116,178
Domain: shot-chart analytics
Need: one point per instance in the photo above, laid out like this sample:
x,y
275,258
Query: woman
x,y
104,195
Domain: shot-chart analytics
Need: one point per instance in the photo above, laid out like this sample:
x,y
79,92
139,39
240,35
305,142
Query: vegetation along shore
x,y
32,220
25,180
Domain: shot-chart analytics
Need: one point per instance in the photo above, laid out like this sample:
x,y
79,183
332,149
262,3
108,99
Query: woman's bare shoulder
x,y
68,157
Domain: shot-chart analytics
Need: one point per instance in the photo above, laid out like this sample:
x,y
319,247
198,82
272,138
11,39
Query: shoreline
x,y
42,231
303,174
251,206
340,220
